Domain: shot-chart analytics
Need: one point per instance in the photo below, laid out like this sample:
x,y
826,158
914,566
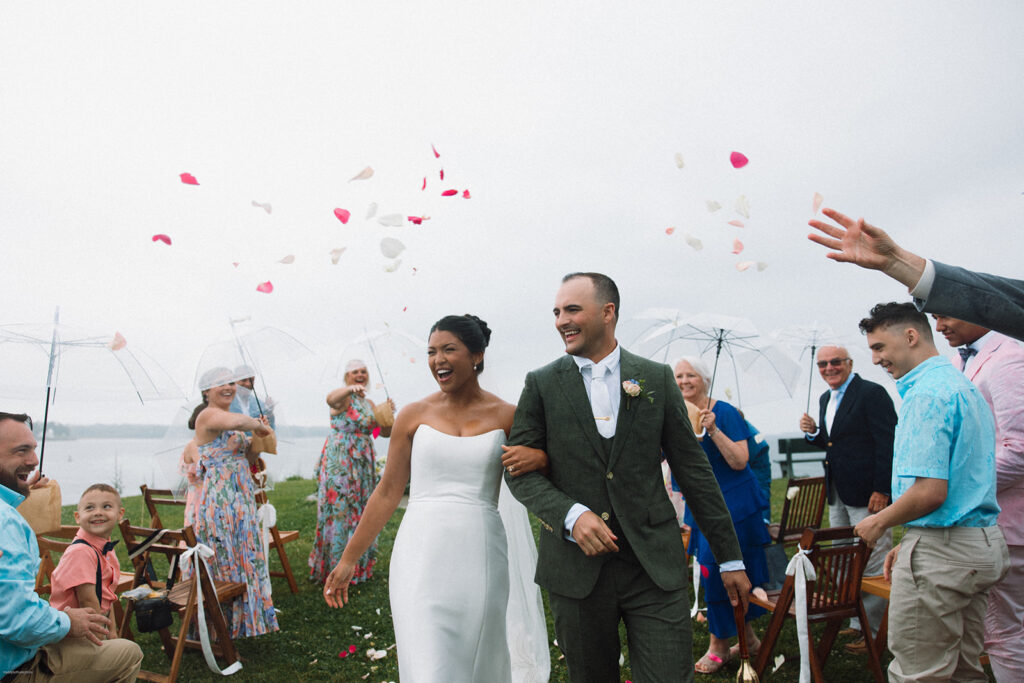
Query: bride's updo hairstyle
x,y
471,331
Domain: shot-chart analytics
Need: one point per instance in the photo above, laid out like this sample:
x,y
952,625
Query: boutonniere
x,y
636,388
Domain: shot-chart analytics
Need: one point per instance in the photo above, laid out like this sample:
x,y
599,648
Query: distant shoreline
x,y
68,432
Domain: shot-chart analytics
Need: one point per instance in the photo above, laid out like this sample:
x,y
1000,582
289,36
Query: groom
x,y
612,549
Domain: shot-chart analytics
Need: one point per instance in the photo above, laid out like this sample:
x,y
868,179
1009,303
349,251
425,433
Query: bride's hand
x,y
520,460
336,586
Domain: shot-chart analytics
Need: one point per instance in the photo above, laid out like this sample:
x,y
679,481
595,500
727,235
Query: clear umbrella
x,y
395,358
76,365
807,339
759,371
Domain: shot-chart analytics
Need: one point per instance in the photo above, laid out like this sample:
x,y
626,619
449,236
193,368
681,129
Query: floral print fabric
x,y
347,477
225,519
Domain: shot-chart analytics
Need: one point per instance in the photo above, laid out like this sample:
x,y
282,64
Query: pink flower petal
x,y
290,258
117,343
436,154
234,263
449,193
188,179
351,649
737,246
704,571
404,309
343,654
162,238
442,174
669,231
816,203
738,224
265,287
424,183
743,265
342,215
465,194
738,160
415,220
376,432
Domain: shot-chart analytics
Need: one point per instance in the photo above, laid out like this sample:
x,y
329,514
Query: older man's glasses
x,y
834,362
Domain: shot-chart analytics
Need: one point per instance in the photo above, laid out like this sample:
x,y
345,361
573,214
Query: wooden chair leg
x,y
817,670
828,639
187,618
771,636
284,560
873,642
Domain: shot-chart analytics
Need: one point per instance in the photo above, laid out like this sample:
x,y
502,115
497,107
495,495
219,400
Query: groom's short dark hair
x,y
604,288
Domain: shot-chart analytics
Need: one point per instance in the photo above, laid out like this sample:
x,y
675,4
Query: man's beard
x,y
9,479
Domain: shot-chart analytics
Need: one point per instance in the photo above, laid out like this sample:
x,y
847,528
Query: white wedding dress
x,y
456,618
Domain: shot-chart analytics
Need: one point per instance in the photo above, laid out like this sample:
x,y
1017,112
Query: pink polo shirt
x,y
78,566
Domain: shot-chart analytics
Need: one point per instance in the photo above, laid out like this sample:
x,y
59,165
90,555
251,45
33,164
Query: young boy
x,y
91,555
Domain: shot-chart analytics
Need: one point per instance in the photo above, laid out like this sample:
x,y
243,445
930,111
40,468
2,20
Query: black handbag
x,y
155,613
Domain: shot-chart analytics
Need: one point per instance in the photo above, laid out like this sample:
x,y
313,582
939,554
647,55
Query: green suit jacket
x,y
626,485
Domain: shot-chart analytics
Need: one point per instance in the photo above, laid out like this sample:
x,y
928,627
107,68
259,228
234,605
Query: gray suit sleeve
x,y
988,300
695,477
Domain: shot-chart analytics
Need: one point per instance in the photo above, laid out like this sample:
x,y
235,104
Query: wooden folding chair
x,y
804,511
183,596
51,546
155,497
838,558
278,538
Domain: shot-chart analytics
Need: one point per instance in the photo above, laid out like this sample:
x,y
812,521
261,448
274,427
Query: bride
x,y
451,576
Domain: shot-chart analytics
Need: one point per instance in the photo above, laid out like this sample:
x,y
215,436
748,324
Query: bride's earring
x,y
475,367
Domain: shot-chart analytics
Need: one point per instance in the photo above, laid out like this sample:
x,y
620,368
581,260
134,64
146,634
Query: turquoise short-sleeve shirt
x,y
946,431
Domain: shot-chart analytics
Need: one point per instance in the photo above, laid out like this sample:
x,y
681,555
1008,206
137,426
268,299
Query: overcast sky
x,y
563,120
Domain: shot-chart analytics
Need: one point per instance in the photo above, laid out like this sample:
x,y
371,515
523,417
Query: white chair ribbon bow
x,y
200,553
802,570
266,515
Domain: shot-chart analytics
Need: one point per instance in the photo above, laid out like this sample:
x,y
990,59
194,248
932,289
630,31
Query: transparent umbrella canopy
x,y
755,370
66,363
395,358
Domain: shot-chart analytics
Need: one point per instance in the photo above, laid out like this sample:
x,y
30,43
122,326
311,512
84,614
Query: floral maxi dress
x,y
346,477
225,520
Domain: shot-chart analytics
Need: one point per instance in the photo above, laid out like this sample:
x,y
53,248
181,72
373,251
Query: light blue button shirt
x,y
27,622
946,431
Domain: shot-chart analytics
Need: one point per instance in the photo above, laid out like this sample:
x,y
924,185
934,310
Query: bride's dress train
x,y
450,572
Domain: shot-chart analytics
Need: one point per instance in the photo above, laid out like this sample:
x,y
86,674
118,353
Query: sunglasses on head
x,y
834,362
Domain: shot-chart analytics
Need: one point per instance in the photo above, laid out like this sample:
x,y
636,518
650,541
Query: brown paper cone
x,y
265,444
41,509
383,414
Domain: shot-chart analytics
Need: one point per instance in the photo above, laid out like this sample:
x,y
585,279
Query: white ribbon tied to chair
x,y
267,517
802,570
199,554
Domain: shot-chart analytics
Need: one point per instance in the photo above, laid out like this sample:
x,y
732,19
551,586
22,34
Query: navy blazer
x,y
858,452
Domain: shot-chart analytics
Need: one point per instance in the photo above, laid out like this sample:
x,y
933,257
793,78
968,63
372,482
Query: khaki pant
x,y
79,661
940,585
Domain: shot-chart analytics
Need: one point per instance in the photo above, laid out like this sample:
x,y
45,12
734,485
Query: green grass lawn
x,y
312,635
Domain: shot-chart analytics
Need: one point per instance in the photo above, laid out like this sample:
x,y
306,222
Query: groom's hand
x,y
593,536
738,586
